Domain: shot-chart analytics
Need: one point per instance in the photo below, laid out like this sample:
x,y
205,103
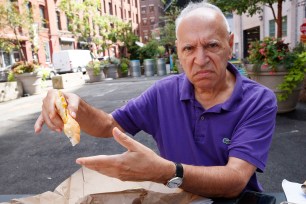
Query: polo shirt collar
x,y
187,91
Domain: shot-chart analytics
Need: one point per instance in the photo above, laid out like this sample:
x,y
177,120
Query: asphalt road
x,y
33,164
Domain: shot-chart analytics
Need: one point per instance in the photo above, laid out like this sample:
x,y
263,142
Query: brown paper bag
x,y
86,186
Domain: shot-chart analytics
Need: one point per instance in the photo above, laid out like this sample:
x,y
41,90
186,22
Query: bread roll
x,y
71,126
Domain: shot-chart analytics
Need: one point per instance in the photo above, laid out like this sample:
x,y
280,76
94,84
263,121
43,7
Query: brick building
x,y
151,11
51,28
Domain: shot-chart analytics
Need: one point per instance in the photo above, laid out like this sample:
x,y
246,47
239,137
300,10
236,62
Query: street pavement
x,y
33,164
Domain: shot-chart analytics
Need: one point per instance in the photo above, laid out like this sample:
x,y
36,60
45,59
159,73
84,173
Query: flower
x,y
270,52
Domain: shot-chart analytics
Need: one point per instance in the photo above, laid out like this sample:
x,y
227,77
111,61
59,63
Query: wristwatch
x,y
177,180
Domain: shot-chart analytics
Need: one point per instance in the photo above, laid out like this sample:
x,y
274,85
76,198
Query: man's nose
x,y
201,57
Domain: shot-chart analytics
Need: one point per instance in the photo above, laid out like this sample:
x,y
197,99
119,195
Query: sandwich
x,y
71,126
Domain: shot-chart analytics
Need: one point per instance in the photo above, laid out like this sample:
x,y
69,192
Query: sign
x,y
303,28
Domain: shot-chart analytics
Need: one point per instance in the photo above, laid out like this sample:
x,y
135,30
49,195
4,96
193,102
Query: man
x,y
212,126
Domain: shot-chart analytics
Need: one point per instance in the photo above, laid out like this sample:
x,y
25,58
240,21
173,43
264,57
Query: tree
x,y
253,7
87,22
18,20
168,31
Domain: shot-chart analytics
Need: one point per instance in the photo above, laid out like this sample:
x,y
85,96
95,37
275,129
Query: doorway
x,y
249,36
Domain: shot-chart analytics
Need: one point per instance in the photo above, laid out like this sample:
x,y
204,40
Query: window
x,y
47,52
272,28
151,8
42,16
129,14
136,18
6,59
143,9
137,6
152,21
110,8
69,26
58,20
284,26
144,22
29,7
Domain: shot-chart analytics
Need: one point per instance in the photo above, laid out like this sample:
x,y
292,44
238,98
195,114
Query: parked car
x,y
66,61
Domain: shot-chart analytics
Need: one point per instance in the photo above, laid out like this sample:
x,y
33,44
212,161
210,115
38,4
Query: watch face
x,y
175,182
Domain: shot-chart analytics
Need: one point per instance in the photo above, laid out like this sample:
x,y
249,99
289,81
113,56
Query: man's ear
x,y
231,44
176,45
231,40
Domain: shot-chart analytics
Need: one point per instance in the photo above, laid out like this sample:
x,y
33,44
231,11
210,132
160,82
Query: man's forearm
x,y
94,121
218,181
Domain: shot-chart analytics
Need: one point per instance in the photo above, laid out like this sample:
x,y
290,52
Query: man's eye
x,y
213,47
187,48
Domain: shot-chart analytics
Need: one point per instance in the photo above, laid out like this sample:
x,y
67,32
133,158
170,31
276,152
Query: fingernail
x,y
58,130
78,161
73,114
117,131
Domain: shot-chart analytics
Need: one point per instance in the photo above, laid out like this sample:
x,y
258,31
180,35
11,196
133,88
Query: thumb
x,y
126,141
73,103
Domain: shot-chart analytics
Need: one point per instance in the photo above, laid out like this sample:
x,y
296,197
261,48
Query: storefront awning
x,y
66,39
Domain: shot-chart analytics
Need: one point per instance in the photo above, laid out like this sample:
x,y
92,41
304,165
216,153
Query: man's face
x,y
204,47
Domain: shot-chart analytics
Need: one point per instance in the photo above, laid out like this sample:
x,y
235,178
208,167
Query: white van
x,y
65,61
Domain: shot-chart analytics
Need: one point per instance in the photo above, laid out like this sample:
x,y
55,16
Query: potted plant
x,y
111,66
94,72
27,73
123,67
271,62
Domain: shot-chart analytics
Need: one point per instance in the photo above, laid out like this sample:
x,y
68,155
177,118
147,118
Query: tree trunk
x,y
279,18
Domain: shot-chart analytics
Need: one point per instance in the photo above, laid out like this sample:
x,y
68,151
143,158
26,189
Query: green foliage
x,y
104,30
11,77
168,35
252,7
149,51
95,66
161,50
242,6
296,74
124,65
24,67
13,18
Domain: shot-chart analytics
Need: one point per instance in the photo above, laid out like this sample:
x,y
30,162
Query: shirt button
x,y
202,117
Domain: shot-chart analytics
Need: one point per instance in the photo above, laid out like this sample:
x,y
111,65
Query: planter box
x,y
31,83
10,90
272,80
93,77
68,80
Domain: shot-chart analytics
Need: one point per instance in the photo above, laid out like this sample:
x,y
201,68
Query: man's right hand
x,y
49,115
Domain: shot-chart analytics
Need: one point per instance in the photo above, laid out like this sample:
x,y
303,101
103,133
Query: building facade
x,y
51,28
247,29
151,11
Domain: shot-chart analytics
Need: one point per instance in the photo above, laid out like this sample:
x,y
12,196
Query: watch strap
x,y
179,170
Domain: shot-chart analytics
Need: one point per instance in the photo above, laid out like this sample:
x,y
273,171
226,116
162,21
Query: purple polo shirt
x,y
185,132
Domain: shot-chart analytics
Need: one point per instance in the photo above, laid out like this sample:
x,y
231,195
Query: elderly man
x,y
212,126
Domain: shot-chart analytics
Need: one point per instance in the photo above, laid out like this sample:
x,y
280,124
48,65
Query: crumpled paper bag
x,y
89,187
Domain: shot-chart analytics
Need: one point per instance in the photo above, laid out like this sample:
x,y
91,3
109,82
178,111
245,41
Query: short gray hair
x,y
198,5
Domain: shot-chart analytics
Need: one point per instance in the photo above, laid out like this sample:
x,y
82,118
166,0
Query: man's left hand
x,y
138,163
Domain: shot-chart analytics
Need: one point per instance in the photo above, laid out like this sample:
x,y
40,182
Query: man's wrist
x,y
177,180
